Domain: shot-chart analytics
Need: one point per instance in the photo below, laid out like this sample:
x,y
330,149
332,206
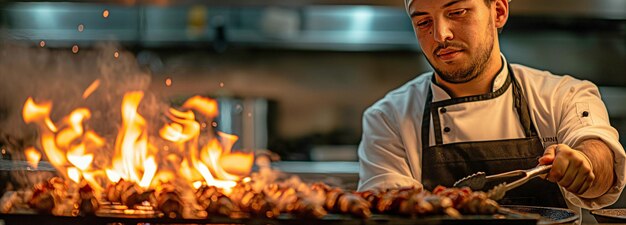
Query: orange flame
x,y
113,176
66,142
187,172
185,130
32,156
150,169
206,106
131,146
237,163
72,148
197,184
228,141
92,87
74,174
173,133
77,157
211,155
40,114
93,141
163,177
227,185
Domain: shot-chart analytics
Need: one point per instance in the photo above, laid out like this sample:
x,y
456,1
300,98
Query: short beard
x,y
476,67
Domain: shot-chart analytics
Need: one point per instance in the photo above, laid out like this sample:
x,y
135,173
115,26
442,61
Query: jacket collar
x,y
439,94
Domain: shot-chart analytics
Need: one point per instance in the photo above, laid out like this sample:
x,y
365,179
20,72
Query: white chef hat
x,y
407,1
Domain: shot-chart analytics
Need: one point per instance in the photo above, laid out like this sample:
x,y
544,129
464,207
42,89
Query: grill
x,y
112,214
40,219
509,215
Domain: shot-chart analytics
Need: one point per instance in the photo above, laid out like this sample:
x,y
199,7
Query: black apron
x,y
443,164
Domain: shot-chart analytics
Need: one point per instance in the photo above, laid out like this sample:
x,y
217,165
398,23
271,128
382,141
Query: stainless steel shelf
x,y
302,167
323,27
302,24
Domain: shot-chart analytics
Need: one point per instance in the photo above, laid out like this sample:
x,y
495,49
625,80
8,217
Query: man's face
x,y
456,36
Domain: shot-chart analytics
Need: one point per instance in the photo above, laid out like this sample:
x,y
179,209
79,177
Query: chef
x,y
477,112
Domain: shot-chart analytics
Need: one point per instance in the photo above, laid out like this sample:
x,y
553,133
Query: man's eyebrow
x,y
452,3
419,13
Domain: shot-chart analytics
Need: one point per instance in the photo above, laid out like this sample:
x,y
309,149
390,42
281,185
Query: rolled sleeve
x,y
382,156
584,116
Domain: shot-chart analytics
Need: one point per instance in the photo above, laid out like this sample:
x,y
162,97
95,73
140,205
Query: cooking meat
x,y
215,202
289,200
129,193
47,195
169,201
340,201
419,202
88,204
255,203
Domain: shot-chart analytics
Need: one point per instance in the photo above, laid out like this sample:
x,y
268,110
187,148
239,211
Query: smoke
x,y
61,76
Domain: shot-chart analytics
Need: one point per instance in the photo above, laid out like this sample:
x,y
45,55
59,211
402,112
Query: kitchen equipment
x,y
507,214
512,214
42,219
610,215
248,118
548,215
478,180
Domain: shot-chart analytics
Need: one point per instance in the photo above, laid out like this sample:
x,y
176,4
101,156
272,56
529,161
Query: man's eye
x,y
459,12
423,23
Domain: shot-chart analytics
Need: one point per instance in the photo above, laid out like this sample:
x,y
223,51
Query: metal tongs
x,y
478,180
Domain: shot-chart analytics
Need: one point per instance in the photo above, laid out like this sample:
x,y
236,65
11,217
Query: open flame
x,y
198,155
184,131
74,174
131,146
32,156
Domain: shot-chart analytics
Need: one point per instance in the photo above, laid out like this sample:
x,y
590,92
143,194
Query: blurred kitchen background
x,y
295,76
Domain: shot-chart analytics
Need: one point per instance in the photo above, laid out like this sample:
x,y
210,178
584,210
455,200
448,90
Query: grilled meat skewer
x,y
88,204
340,201
169,201
215,202
129,194
46,195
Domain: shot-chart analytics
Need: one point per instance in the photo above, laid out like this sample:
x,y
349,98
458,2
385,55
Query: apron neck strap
x,y
521,106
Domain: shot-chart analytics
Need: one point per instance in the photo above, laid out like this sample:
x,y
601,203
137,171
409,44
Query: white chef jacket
x,y
390,148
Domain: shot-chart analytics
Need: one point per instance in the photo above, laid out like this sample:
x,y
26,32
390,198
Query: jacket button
x,y
443,110
446,129
585,114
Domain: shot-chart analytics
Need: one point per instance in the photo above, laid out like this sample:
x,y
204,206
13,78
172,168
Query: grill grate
x,y
331,219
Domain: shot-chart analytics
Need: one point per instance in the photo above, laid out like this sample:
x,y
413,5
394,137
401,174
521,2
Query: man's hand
x,y
570,168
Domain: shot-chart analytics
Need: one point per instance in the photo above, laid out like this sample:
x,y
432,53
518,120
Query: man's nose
x,y
442,32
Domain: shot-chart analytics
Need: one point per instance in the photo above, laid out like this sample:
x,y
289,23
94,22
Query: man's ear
x,y
502,13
